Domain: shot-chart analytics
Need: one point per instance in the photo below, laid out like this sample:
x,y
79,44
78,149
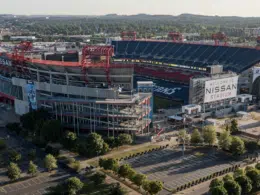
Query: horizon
x,y
220,8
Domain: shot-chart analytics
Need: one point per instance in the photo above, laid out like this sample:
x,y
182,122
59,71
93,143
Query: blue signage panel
x,y
31,93
167,89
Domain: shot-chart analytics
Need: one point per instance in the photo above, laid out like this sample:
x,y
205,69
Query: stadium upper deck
x,y
193,56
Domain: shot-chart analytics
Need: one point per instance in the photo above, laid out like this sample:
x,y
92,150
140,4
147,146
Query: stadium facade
x,y
91,94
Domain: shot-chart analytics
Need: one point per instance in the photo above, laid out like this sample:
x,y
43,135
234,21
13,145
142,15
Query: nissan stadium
x,y
95,88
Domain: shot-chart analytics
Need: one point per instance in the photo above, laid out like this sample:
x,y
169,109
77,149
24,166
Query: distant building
x,y
23,38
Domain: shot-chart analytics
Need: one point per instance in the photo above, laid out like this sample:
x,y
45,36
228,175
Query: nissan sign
x,y
220,89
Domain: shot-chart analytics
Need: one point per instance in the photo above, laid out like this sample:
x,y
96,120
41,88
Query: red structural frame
x,y
175,36
218,37
130,35
90,51
18,58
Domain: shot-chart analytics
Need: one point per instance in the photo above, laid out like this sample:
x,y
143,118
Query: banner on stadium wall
x,y
5,62
256,73
31,93
220,89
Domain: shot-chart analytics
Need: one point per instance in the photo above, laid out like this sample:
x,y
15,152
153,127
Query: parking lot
x,y
174,170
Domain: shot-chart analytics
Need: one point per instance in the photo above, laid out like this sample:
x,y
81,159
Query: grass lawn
x,y
119,154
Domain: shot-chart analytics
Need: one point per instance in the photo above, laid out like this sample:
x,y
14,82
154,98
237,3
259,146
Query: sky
x,y
101,7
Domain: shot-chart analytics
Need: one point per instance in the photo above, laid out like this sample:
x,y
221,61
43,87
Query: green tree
x,y
111,142
13,171
139,179
227,177
257,166
253,175
234,126
131,174
224,140
98,178
196,137
218,190
183,136
69,140
209,135
216,182
238,172
153,187
146,185
95,144
2,144
74,185
125,139
51,131
116,189
32,169
50,162
124,170
251,146
14,156
32,154
237,146
232,187
245,184
109,164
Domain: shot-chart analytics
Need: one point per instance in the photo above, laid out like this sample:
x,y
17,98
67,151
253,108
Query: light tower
x,y
220,37
128,35
90,52
175,36
18,58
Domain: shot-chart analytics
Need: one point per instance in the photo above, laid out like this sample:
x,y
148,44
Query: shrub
x,y
2,144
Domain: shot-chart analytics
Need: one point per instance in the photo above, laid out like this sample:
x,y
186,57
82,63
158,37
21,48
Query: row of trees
x,y
42,130
14,172
208,136
242,182
126,171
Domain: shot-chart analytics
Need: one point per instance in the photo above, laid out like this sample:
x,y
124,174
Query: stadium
x,y
94,89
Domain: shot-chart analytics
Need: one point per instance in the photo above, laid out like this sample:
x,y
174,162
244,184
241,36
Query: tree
x,y
98,178
69,140
131,174
153,187
50,162
183,136
13,171
111,142
139,179
234,126
105,148
32,169
124,170
224,140
14,156
218,190
116,189
74,185
125,139
32,154
237,146
253,175
196,137
94,143
209,135
216,182
257,166
51,130
238,172
232,187
2,144
245,184
227,177
109,164
251,146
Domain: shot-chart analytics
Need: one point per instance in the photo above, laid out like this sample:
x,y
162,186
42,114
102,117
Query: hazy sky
x,y
99,7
